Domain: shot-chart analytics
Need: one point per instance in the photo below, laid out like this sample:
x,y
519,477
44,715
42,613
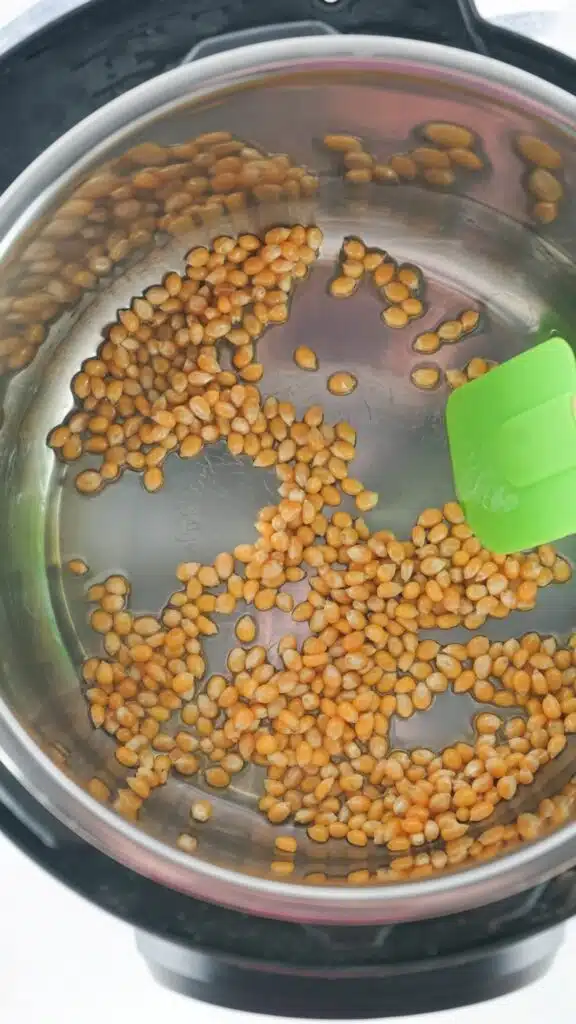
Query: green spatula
x,y
512,436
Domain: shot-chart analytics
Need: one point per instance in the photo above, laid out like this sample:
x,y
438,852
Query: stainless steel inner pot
x,y
476,246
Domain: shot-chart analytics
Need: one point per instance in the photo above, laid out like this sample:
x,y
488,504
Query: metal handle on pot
x,y
450,22
454,22
258,34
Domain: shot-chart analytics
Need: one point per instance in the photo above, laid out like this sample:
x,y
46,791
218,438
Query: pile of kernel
x,y
319,722
542,182
443,153
118,210
316,716
398,286
157,386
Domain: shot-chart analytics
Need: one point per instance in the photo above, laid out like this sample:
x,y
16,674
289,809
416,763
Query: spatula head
x,y
512,436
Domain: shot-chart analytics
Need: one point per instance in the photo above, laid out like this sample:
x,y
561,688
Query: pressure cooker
x,y
111,113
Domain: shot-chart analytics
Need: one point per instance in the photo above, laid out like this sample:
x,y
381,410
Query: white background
x,y
62,961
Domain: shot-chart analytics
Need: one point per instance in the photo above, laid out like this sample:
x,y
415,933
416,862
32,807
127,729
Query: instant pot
x,y
216,926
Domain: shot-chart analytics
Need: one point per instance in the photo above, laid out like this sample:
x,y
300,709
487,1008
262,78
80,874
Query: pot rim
x,y
26,199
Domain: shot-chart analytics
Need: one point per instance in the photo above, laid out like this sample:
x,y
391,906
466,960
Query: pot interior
x,y
477,247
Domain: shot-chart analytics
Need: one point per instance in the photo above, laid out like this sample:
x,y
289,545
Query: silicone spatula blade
x,y
512,438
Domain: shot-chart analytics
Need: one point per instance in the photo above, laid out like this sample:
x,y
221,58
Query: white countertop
x,y
47,932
